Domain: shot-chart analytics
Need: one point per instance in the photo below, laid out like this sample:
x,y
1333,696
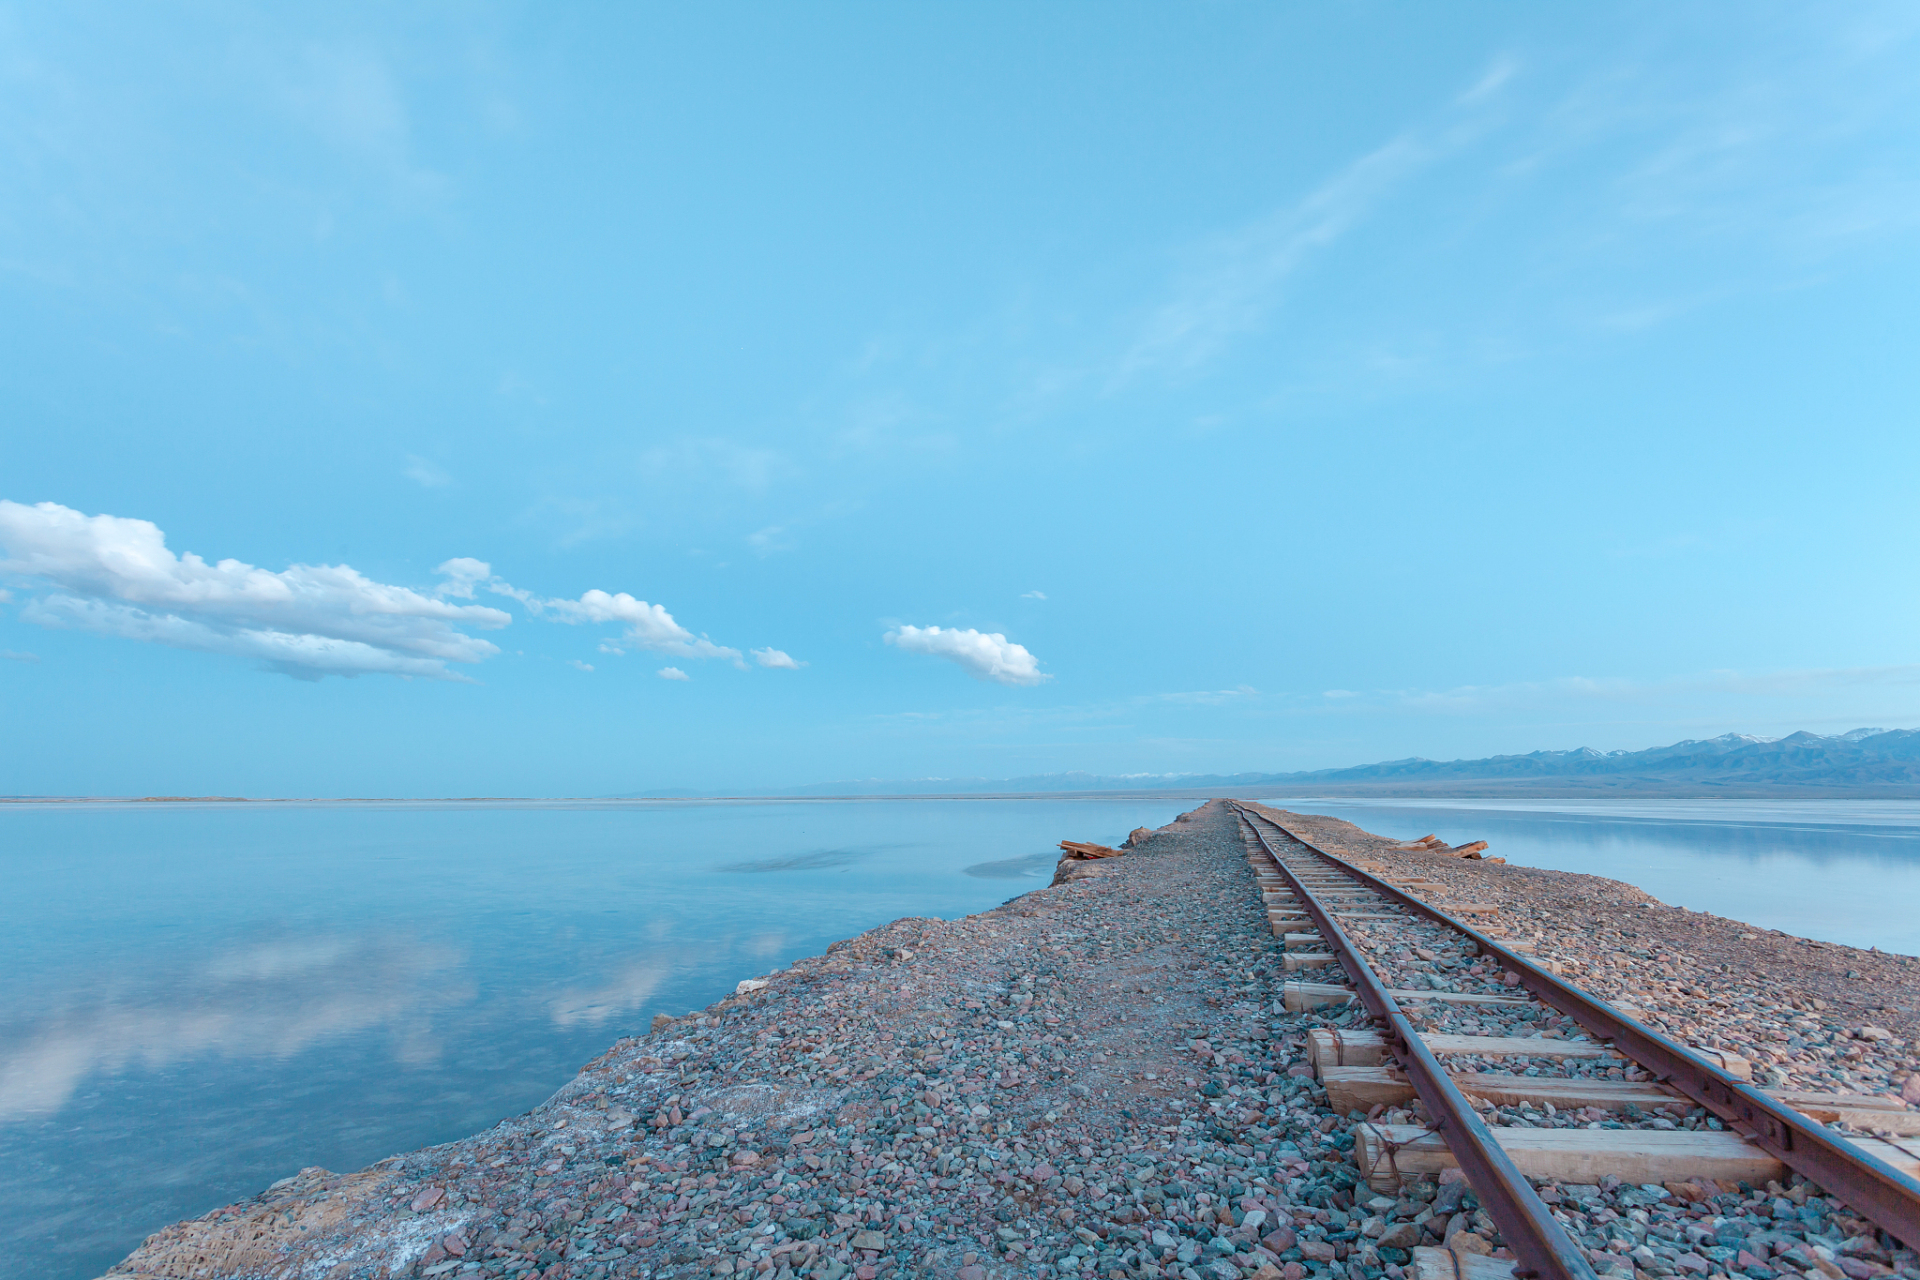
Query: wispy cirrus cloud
x,y
753,468
771,540
351,98
1204,697
1812,682
426,474
1233,281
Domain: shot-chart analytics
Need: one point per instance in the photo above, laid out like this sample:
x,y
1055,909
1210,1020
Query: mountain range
x,y
1883,763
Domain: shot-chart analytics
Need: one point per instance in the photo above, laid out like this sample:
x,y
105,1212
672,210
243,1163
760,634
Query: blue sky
x,y
944,390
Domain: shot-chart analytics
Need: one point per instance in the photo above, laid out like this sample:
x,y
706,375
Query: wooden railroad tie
x,y
1384,1153
1300,996
1430,1263
1368,1049
1327,1048
1363,1088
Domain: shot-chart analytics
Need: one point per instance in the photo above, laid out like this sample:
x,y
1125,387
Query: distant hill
x,y
1881,763
1864,762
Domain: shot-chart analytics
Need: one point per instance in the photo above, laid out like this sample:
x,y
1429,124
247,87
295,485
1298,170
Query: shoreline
x,y
1356,792
998,1094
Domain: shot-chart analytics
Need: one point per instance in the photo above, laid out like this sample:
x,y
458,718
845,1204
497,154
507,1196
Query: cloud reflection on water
x,y
630,989
265,1000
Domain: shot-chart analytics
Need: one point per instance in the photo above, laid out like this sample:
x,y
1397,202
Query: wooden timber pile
x,y
1076,857
1434,844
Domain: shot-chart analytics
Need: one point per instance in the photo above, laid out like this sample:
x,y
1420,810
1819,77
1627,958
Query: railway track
x,y
1351,935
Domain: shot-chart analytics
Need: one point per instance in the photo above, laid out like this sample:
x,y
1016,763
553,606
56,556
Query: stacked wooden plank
x,y
1081,852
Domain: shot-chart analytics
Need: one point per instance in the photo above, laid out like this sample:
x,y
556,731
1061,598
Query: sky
x,y
495,399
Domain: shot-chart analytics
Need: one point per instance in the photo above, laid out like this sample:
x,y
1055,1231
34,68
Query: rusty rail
x,y
1869,1185
1542,1246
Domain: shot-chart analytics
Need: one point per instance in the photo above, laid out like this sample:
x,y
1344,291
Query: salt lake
x,y
199,999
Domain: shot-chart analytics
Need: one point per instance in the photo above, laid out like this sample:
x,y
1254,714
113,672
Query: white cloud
x,y
579,665
672,673
462,574
1033,595
649,626
425,473
776,659
116,576
12,655
984,656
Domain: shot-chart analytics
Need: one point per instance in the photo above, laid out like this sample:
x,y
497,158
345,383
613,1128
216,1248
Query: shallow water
x,y
1839,870
202,998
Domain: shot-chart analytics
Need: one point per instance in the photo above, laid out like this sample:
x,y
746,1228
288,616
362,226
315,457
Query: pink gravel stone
x,y
1280,1239
427,1199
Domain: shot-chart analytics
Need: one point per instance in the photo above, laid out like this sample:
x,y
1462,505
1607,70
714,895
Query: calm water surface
x,y
1841,870
196,1000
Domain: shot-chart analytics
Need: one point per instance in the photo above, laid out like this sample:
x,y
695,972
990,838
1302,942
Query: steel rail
x,y
1542,1247
1866,1183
